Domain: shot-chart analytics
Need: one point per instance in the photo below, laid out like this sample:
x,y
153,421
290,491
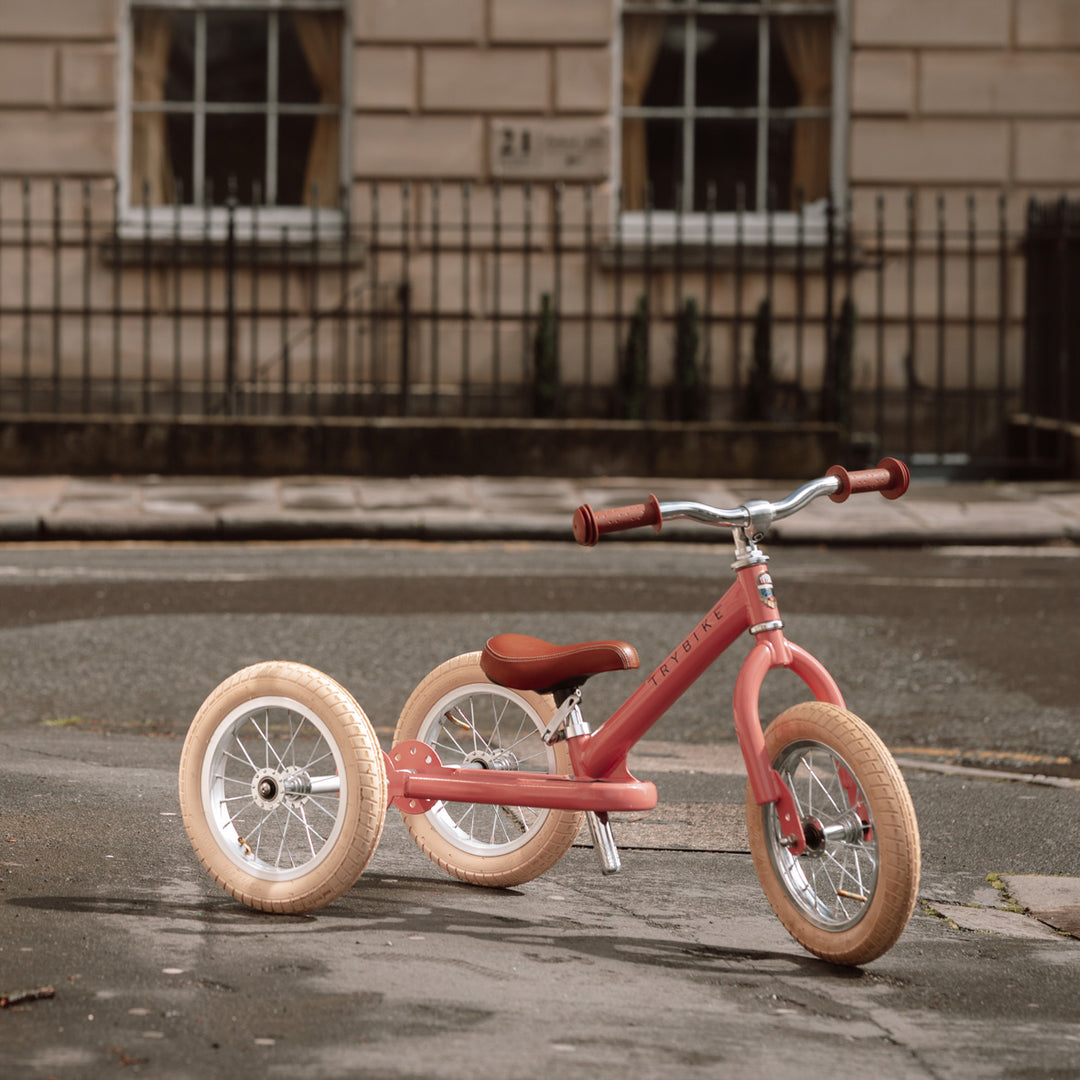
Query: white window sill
x,y
189,225
665,228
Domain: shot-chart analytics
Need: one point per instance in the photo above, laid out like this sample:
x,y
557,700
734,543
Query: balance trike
x,y
284,788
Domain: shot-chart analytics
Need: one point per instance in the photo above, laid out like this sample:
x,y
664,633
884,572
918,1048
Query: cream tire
x,y
467,719
282,787
848,897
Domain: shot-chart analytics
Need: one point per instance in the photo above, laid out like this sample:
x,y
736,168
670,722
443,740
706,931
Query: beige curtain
x,y
151,165
320,38
642,35
807,44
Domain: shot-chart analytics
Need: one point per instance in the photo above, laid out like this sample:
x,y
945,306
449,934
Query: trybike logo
x,y
686,647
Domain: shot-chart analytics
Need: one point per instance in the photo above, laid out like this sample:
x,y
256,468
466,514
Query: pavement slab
x,y
478,507
1054,901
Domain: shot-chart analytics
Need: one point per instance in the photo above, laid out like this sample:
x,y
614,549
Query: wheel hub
x,y
270,787
849,829
499,759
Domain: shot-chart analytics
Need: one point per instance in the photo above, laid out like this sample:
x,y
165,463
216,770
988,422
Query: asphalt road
x,y
958,649
674,968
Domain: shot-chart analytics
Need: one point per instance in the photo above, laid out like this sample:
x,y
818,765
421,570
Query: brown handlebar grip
x,y
590,524
891,478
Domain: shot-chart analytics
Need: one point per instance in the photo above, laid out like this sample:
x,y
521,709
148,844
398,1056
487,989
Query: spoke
x,y
288,751
258,828
541,754
522,734
233,818
497,714
315,761
517,816
313,801
460,822
281,846
529,736
479,741
264,733
231,779
319,742
828,877
243,749
450,735
309,831
793,787
245,760
824,790
845,872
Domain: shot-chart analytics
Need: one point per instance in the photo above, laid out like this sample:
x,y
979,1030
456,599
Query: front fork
x,y
773,650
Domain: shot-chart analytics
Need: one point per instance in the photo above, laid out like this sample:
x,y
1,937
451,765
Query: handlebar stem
x,y
755,516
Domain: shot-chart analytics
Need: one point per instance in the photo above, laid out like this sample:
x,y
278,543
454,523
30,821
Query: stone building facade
x,y
977,93
926,107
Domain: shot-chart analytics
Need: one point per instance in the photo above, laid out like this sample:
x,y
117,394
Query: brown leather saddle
x,y
527,663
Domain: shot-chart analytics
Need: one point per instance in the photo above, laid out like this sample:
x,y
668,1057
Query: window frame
x,y
752,226
198,221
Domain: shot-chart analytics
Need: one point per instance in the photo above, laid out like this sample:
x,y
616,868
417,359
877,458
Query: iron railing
x,y
900,319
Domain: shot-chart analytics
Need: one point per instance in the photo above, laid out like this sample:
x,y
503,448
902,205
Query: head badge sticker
x,y
765,589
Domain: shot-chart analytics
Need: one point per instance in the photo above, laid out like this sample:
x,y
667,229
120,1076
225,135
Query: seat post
x,y
599,822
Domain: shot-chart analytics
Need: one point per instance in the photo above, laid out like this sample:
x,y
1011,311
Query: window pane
x,y
236,56
180,130
781,192
160,158
726,156
162,55
307,157
309,58
799,160
235,152
727,62
651,155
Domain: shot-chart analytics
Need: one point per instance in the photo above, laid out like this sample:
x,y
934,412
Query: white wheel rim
x,y
497,727
279,741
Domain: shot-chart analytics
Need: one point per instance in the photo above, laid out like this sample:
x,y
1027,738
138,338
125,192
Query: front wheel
x,y
470,721
282,787
848,896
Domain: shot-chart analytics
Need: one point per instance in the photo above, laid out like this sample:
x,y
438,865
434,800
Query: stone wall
x,y
978,93
58,74
431,78
96,446
966,92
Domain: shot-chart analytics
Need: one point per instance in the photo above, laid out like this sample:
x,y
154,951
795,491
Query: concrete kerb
x,y
486,508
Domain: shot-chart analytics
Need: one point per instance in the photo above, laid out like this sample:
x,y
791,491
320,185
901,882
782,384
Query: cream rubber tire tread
x,y
895,831
361,770
553,837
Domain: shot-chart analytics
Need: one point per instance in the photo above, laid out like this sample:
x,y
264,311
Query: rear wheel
x,y
282,787
469,720
849,895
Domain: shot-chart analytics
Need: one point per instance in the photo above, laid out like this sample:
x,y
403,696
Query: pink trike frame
x,y
601,781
